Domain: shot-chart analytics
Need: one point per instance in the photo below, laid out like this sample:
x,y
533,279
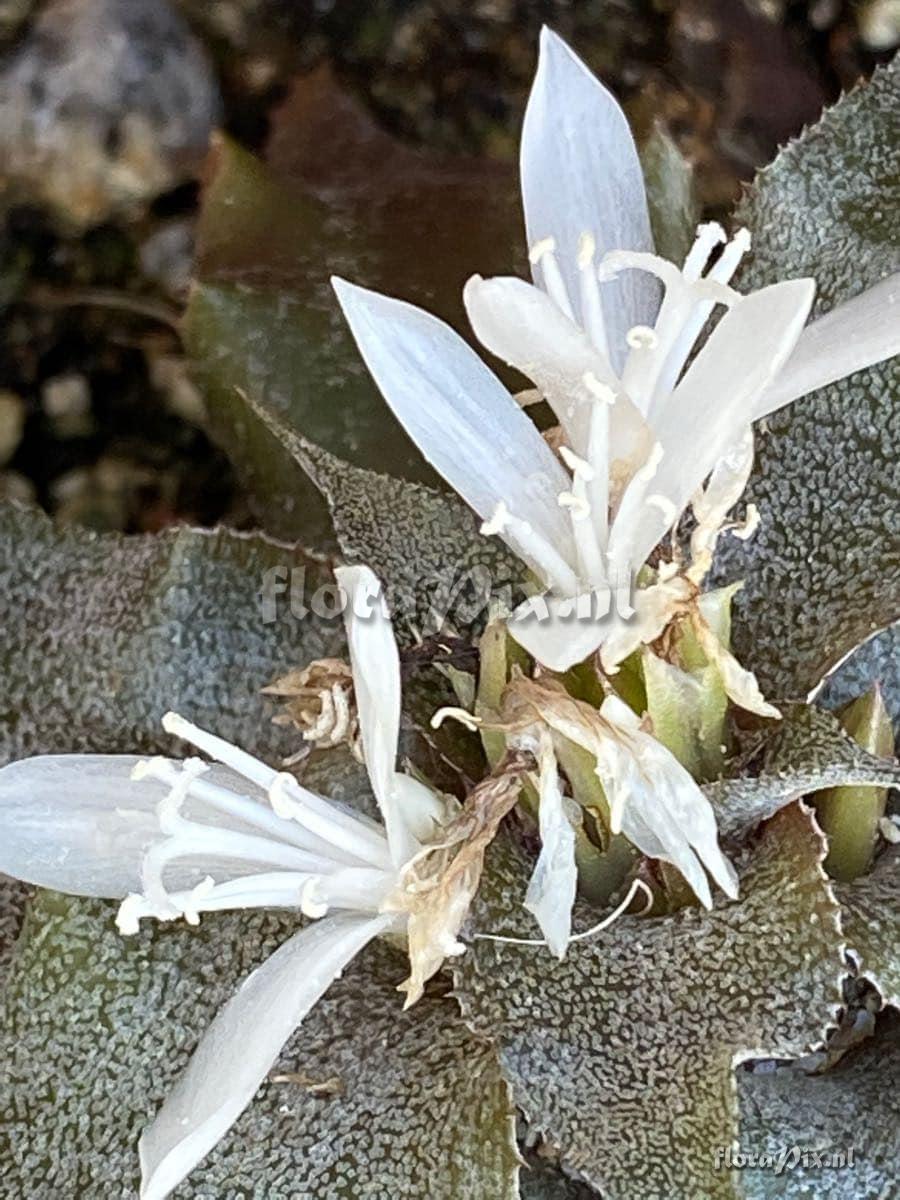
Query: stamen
x,y
665,506
636,886
709,235
598,389
497,522
749,525
578,506
731,256
546,245
586,249
293,802
642,337
543,253
449,712
592,319
577,465
311,903
651,466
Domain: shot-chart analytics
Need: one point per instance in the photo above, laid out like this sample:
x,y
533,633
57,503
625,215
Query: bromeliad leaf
x,y
104,634
423,544
794,1117
622,1054
871,919
823,571
360,1076
807,752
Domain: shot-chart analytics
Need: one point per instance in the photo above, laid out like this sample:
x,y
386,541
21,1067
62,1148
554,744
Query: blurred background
x,y
107,110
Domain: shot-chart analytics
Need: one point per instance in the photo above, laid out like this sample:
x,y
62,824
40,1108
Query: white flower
x,y
180,838
605,333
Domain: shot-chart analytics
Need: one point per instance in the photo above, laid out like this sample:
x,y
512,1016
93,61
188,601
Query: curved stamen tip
x,y
128,918
464,717
598,389
175,724
642,337
577,505
191,908
498,521
311,902
283,806
544,246
148,768
665,506
742,240
577,465
587,247
651,466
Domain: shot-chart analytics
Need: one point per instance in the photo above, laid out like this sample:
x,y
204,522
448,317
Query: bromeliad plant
x,y
609,732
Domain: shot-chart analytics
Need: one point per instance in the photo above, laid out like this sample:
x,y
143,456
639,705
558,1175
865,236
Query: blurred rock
x,y
103,105
13,14
66,400
12,422
167,256
879,24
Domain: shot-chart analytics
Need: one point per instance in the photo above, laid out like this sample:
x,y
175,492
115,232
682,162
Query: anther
x,y
498,521
598,389
576,464
546,245
642,337
665,506
577,505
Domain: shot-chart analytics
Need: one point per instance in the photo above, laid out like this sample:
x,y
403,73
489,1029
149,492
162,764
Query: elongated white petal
x,y
740,684
660,807
551,890
376,684
709,409
521,324
457,412
77,823
581,174
243,1042
856,334
551,630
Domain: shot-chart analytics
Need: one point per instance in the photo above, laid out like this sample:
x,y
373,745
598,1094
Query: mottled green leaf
x,y
807,751
339,195
102,634
95,1028
871,919
823,571
622,1054
423,544
855,1105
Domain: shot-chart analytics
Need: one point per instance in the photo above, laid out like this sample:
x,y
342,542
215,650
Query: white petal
x,y
457,412
77,822
654,607
553,633
709,410
740,684
521,324
376,685
551,890
857,334
663,811
581,174
240,1047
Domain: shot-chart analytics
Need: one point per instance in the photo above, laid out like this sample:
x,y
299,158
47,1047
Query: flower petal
x,y
77,823
553,633
521,325
240,1047
856,334
457,412
551,890
407,810
709,410
581,174
663,811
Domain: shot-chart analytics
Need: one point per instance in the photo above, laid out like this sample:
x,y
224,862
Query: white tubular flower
x,y
605,332
174,838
